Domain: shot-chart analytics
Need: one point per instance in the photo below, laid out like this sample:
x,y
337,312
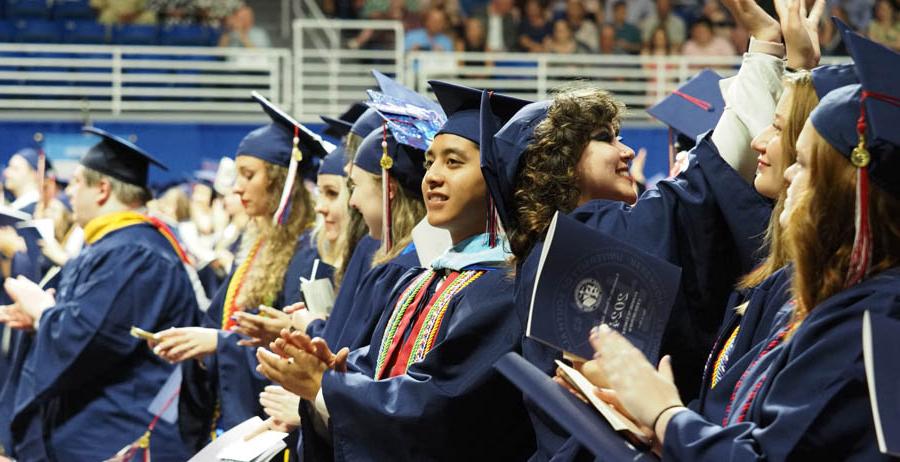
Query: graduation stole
x,y
234,286
399,351
99,227
722,359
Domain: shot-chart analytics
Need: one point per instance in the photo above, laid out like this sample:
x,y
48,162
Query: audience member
x,y
859,12
241,32
534,28
473,37
562,41
627,35
885,28
501,23
663,17
583,28
704,43
638,10
123,12
433,36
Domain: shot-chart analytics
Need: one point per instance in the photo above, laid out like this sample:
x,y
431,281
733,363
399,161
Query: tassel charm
x,y
295,152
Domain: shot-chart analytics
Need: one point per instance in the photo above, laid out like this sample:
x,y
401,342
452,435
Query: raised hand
x,y
296,370
750,15
801,31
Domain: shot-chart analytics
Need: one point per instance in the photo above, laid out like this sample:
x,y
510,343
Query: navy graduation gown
x,y
811,398
708,221
351,325
229,382
763,303
86,384
360,263
450,406
11,360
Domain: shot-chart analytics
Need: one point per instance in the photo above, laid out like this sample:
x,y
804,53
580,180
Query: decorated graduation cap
x,y
507,128
119,158
339,127
287,143
396,148
462,105
860,122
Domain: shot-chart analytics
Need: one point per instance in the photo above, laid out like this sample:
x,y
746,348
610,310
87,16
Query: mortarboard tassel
x,y
491,222
386,164
284,205
861,255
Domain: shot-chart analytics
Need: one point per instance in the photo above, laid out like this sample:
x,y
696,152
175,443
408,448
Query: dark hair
x,y
703,21
547,180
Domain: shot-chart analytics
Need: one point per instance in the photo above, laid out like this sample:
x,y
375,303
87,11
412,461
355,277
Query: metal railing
x,y
318,76
637,81
138,82
329,78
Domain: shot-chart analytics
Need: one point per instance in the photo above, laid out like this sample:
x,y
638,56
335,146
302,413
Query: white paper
x,y
235,436
430,242
318,295
266,443
582,384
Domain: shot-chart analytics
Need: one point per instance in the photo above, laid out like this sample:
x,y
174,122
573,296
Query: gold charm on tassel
x,y
144,441
860,156
386,161
295,152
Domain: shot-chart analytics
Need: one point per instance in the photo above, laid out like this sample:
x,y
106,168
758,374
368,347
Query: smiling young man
x,y
425,388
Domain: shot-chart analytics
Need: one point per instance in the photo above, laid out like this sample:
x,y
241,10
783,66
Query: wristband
x,y
667,408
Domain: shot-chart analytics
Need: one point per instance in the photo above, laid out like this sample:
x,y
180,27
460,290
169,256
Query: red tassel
x,y
861,255
491,222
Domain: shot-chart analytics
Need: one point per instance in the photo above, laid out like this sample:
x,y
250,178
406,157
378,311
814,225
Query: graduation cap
x,y
30,155
507,128
462,105
694,108
368,121
119,158
396,148
333,163
833,76
287,143
391,87
860,121
338,127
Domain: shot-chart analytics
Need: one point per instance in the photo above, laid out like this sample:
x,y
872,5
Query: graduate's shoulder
x,y
137,241
836,323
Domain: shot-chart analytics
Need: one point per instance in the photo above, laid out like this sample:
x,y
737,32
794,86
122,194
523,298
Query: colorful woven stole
x,y
234,286
99,227
722,359
397,353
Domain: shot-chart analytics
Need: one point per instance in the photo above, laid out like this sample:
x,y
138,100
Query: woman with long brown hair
x,y
805,395
220,393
